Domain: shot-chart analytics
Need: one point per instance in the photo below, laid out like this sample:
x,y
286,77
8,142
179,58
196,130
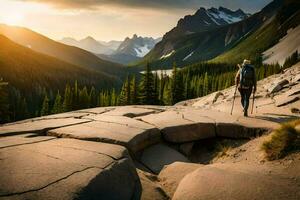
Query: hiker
x,y
245,80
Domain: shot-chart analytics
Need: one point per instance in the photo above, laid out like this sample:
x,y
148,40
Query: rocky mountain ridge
x,y
193,40
131,50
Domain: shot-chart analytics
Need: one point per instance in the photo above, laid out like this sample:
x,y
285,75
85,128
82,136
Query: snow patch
x,y
142,51
206,22
188,56
167,55
220,15
212,17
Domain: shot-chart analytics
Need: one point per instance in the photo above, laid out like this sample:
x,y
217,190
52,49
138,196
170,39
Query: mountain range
x,y
131,50
223,35
123,52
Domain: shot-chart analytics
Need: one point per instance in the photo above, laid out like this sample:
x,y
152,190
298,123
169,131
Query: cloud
x,y
247,5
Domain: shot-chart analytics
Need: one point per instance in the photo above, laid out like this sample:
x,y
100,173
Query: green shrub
x,y
282,141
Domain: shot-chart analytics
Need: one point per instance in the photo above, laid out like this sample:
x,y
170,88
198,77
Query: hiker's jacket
x,y
238,78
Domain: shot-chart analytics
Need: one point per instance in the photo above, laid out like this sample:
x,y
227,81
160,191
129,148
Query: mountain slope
x,y
27,70
89,44
208,42
64,52
286,47
266,36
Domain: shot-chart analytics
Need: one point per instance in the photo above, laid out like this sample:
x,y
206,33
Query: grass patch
x,y
284,140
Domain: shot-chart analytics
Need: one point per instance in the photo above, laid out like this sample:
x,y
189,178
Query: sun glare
x,y
13,18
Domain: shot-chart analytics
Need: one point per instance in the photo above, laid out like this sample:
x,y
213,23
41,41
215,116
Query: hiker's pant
x,y
245,96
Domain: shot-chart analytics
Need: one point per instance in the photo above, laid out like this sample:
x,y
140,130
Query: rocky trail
x,y
193,150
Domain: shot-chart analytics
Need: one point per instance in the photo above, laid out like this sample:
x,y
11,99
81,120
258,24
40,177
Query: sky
x,y
107,20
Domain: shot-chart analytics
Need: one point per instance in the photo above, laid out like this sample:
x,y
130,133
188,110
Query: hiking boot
x,y
245,113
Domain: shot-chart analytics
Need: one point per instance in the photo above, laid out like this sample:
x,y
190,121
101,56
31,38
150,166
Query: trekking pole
x,y
253,102
233,100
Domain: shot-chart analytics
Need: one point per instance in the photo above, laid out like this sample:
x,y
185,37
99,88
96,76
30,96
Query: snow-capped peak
x,y
223,16
137,46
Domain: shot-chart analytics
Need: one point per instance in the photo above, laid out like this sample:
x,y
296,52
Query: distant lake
x,y
167,72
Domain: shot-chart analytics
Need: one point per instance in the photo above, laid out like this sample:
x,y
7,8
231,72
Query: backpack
x,y
247,75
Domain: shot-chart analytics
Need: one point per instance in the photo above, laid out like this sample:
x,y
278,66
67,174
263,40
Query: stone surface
x,y
220,182
122,120
186,148
67,169
22,139
38,126
151,190
285,100
133,138
172,174
159,155
232,126
297,78
133,111
176,128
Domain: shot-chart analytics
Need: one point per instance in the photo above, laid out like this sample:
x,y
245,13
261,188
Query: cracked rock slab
x,y
24,139
122,120
132,111
231,126
134,138
38,126
176,128
159,155
285,100
67,169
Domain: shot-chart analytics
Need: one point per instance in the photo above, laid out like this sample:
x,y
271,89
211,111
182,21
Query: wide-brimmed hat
x,y
246,62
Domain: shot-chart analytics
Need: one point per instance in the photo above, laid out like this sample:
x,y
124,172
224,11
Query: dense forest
x,y
148,88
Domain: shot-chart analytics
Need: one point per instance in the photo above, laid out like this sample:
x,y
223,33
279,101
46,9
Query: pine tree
x,y
75,97
124,98
146,88
113,99
83,99
156,88
57,107
67,105
161,88
23,112
45,106
4,105
177,86
133,91
93,97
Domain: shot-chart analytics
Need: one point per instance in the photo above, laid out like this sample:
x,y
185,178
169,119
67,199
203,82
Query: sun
x,y
13,18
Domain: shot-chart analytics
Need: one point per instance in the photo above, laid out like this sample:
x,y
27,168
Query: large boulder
x,y
159,155
221,182
172,174
66,169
